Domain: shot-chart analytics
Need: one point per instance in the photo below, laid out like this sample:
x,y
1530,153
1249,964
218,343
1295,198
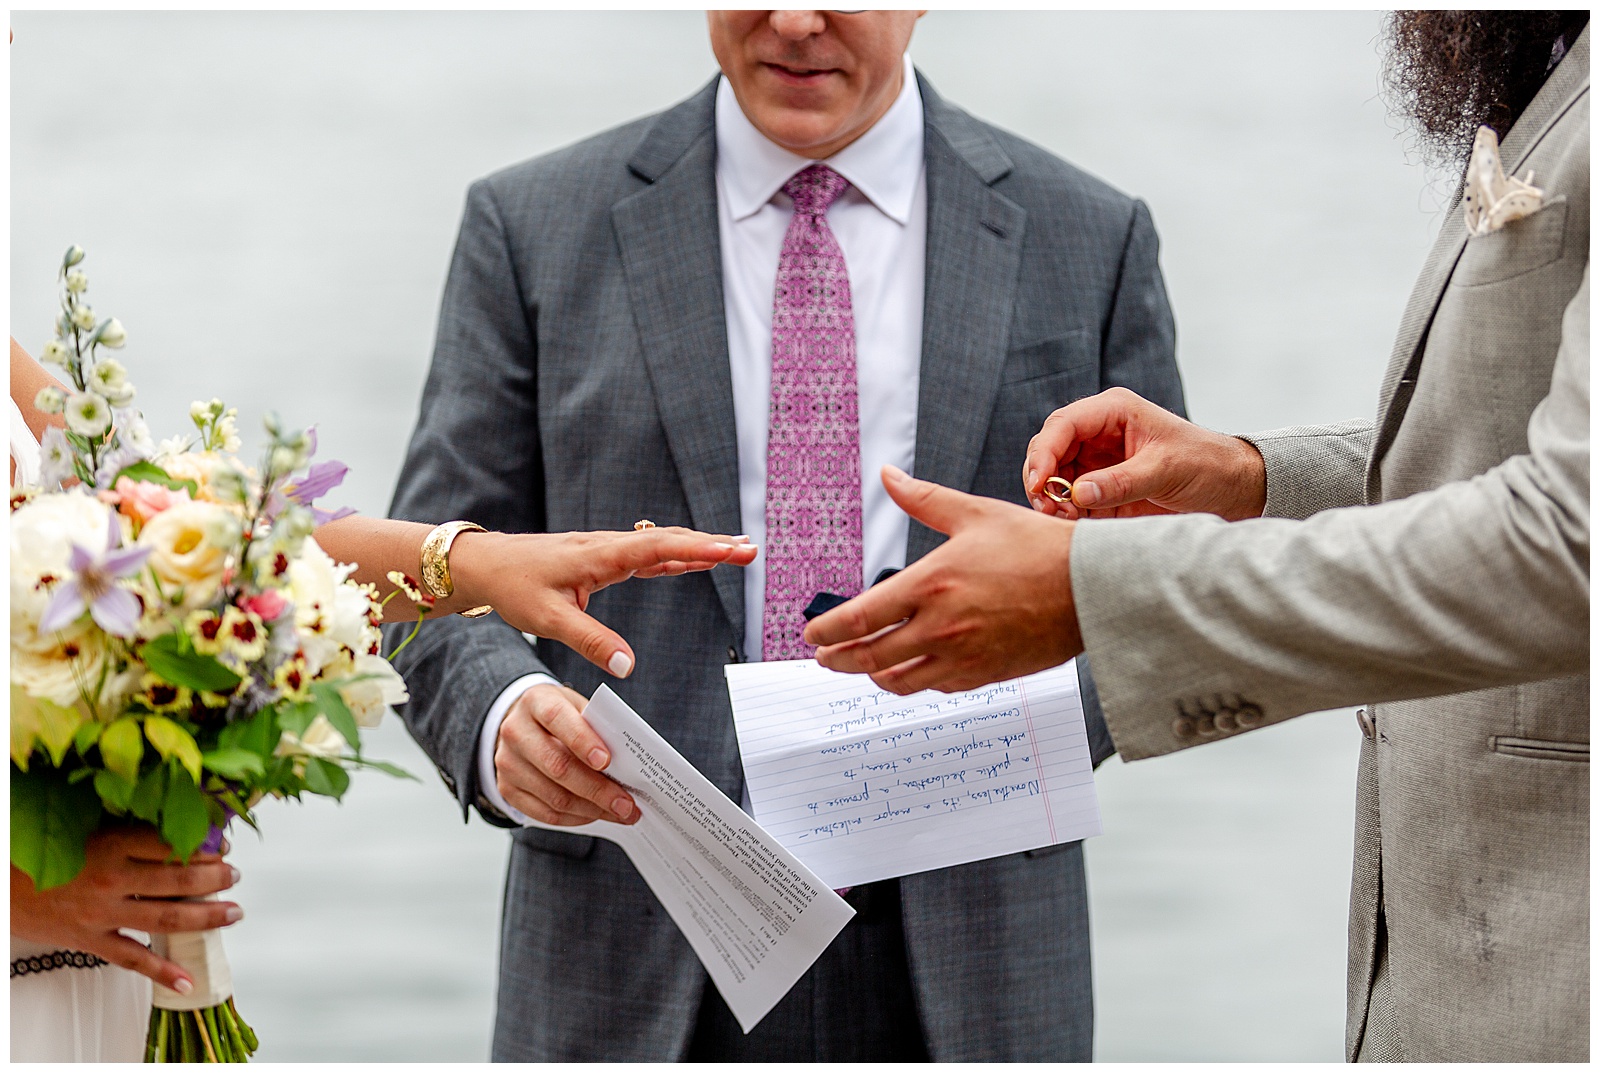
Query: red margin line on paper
x,y
1038,765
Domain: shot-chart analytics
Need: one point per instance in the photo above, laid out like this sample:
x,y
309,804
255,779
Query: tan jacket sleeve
x,y
1313,468
1476,583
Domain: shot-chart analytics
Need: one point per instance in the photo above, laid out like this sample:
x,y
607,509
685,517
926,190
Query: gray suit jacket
x,y
1442,569
580,381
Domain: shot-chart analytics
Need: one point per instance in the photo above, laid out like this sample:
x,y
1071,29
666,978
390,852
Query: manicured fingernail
x,y
724,547
182,987
225,847
1038,504
233,874
233,915
741,539
598,759
896,472
1033,477
621,663
622,807
1087,493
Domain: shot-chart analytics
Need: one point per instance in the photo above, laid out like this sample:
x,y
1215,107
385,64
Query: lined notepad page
x,y
861,784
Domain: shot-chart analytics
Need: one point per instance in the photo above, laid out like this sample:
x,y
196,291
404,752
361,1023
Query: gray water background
x,y
269,202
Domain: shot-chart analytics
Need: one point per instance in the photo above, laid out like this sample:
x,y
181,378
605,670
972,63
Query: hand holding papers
x,y
861,784
756,917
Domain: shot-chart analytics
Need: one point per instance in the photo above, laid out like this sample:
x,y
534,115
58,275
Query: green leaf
x,y
86,736
295,717
233,763
184,819
338,713
79,774
149,471
51,820
173,742
122,747
116,791
171,657
326,778
387,768
149,794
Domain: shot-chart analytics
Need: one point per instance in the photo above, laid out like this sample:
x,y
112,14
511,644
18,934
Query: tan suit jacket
x,y
1436,566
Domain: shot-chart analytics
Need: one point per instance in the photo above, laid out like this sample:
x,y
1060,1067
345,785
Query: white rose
x,y
320,739
42,534
379,689
53,667
190,544
329,613
88,414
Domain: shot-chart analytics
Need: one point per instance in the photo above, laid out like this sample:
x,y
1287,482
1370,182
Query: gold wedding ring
x,y
1065,495
643,523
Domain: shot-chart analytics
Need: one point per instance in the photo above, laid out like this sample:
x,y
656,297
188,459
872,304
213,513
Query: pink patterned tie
x,y
814,431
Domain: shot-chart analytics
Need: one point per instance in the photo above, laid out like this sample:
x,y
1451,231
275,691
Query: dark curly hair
x,y
1450,72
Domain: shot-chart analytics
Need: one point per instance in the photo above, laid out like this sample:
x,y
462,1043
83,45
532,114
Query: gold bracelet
x,y
436,563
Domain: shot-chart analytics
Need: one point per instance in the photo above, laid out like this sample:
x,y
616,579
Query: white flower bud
x,y
50,400
199,412
83,318
111,334
73,255
77,282
109,379
88,415
54,353
227,434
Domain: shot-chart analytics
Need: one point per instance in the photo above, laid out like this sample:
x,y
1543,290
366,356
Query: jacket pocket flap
x,y
1541,748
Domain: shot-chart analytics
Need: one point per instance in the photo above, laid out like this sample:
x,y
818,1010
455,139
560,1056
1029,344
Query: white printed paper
x,y
756,917
861,784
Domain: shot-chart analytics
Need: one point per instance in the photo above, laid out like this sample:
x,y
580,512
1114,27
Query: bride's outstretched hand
x,y
541,582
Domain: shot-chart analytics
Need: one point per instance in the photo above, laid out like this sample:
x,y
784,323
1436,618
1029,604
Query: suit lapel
x,y
672,260
974,254
1552,101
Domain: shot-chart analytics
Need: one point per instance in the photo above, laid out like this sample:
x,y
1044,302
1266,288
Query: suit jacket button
x,y
1248,716
1225,722
1369,729
733,654
1206,726
1183,727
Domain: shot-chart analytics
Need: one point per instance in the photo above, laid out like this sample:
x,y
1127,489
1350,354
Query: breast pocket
x,y
1520,247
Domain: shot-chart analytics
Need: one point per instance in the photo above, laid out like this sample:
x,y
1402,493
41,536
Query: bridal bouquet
x,y
180,646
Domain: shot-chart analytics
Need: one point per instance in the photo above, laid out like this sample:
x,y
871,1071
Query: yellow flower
x,y
159,695
292,678
205,629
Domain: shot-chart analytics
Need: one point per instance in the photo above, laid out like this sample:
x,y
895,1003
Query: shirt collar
x,y
884,163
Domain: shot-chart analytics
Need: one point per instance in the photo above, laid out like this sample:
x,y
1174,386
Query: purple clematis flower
x,y
322,477
93,585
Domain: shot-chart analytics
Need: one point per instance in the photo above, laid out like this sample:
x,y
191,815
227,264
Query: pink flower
x,y
142,500
267,605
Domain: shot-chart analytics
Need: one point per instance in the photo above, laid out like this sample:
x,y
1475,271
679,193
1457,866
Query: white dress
x,y
65,1008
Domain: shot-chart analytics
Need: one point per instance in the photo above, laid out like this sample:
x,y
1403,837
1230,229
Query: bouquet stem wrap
x,y
202,1026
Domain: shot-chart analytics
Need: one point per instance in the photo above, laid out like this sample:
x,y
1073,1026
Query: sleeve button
x,y
1183,728
1249,716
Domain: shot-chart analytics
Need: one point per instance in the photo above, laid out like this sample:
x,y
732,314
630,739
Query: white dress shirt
x,y
881,224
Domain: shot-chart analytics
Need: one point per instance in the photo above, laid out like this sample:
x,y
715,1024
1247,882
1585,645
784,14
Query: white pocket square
x,y
1492,199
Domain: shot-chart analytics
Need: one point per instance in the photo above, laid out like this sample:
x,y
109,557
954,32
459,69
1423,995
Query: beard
x,y
1450,72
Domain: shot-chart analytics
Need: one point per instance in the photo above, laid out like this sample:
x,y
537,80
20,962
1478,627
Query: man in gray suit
x,y
611,349
1436,561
